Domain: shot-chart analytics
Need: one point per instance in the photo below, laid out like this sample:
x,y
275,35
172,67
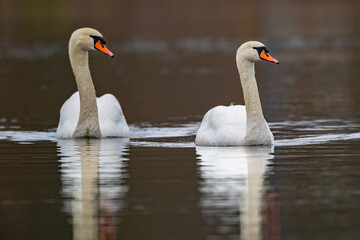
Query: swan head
x,y
254,51
89,39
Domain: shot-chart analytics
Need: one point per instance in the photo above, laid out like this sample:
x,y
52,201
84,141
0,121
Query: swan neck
x,y
88,124
250,89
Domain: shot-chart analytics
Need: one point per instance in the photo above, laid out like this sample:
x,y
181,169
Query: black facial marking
x,y
260,49
97,38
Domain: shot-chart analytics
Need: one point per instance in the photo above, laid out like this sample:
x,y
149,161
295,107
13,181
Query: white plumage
x,y
111,118
223,125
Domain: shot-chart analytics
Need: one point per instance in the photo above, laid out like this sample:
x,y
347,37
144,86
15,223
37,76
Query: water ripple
x,y
290,133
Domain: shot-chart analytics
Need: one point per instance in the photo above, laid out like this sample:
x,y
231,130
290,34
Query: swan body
x,y
111,119
83,114
239,125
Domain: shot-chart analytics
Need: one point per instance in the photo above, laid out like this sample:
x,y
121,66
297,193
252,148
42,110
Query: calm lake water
x,y
174,61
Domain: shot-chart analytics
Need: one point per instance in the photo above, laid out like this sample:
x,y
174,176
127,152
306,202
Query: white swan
x,y
83,114
240,125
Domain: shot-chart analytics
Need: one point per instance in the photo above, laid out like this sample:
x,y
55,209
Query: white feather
x,y
111,118
223,126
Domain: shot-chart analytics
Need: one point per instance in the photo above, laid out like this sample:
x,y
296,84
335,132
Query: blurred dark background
x,y
174,60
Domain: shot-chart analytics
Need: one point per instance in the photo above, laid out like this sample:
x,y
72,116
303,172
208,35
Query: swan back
x,y
223,126
112,121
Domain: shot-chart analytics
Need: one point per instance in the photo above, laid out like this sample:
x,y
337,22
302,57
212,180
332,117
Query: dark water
x,y
174,61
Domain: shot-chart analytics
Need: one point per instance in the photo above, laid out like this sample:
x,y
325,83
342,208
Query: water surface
x,y
161,186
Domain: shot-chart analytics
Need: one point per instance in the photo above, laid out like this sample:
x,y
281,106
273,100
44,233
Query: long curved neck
x,y
257,130
250,89
88,124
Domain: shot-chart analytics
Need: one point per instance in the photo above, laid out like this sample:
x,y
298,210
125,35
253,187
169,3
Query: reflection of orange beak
x,y
102,48
265,56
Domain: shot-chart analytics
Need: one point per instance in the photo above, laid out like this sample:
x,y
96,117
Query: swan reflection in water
x,y
230,174
92,175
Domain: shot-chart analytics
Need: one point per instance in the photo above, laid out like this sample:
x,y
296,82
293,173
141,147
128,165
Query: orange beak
x,y
102,48
266,56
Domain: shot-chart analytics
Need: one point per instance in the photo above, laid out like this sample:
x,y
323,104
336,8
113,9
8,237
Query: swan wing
x,y
222,125
111,118
69,116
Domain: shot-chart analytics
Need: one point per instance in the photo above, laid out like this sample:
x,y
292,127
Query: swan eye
x,y
99,44
97,38
260,49
264,54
